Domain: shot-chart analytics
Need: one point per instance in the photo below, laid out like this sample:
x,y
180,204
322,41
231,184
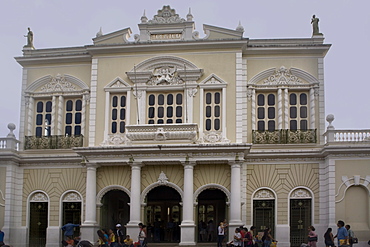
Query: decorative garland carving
x,y
301,193
282,76
165,75
115,140
72,197
39,197
264,194
58,84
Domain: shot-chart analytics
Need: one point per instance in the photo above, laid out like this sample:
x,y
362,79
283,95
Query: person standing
x,y
112,241
237,238
249,236
69,229
220,234
329,238
119,235
312,237
267,238
2,238
342,233
142,235
210,231
351,234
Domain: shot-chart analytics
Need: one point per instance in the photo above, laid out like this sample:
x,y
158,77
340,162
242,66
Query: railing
x,y
347,135
9,143
53,142
284,136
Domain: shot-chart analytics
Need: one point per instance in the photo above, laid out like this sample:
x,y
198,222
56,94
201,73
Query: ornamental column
x,y
235,197
187,224
135,205
90,225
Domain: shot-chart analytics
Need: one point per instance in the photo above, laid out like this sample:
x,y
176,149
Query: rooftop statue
x,y
29,39
315,26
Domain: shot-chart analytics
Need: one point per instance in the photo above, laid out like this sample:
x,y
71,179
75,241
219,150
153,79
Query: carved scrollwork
x,y
72,197
166,15
162,179
39,197
301,193
264,194
58,84
282,76
166,75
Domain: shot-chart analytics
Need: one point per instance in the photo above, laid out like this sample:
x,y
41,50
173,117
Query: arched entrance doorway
x,y
211,211
163,215
115,209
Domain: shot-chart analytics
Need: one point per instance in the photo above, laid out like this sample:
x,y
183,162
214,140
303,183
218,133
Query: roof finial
x,y
100,33
189,16
144,19
240,28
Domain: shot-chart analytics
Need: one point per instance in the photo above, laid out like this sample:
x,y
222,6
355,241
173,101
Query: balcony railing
x,y
53,142
284,136
343,136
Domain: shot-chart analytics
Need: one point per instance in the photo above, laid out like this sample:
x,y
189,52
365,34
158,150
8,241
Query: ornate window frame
x,y
270,194
76,197
37,196
302,192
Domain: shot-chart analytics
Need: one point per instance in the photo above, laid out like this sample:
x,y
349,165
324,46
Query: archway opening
x,y
115,209
163,215
211,211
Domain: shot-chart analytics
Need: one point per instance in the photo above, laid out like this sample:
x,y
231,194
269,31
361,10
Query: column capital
x,y
136,164
189,164
235,163
92,165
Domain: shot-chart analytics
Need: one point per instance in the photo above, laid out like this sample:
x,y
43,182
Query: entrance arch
x,y
211,210
114,209
163,214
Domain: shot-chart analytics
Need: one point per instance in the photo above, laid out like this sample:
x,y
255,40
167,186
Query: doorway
x,y
211,211
264,215
163,215
300,220
38,224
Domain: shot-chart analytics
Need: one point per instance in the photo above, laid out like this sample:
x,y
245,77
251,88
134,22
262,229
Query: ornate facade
x,y
172,129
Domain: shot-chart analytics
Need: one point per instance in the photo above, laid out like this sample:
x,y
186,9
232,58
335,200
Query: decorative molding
x,y
39,197
214,137
105,190
117,84
264,194
213,81
157,184
162,179
3,198
165,75
72,197
117,139
166,15
356,180
211,186
300,193
282,76
59,83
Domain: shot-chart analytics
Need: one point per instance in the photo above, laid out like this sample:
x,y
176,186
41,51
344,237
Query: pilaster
x,y
235,197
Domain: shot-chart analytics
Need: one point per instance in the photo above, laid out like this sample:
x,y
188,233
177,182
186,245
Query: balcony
x,y
284,136
162,132
53,142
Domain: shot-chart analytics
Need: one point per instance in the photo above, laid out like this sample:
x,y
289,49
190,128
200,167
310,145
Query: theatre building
x,y
171,127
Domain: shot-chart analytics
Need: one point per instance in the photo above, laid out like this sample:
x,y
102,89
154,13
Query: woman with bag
x,y
312,237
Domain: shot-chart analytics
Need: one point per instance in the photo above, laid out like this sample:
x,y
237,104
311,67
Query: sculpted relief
x,y
166,75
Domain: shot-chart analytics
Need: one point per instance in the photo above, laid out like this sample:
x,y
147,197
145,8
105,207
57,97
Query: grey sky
x,y
344,23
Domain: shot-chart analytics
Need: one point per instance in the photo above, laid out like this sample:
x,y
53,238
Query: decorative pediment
x,y
213,79
276,77
117,83
59,83
166,15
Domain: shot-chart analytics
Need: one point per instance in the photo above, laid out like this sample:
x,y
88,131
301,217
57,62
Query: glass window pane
x,y
261,125
151,112
271,99
293,99
179,120
68,118
303,99
122,127
114,114
179,99
122,115
178,111
161,99
169,121
160,121
151,121
293,124
39,119
304,125
271,125
114,127
303,111
78,105
40,106
261,113
69,105
160,112
48,118
261,99
77,130
123,101
208,111
151,99
68,130
48,106
115,101
217,124
217,111
271,112
217,98
293,112
169,111
78,118
208,124
39,131
169,99
208,98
